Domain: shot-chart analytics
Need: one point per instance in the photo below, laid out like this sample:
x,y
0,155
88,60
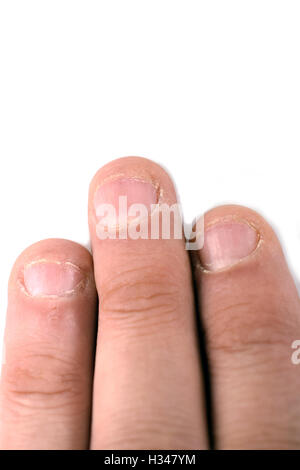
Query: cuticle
x,y
119,176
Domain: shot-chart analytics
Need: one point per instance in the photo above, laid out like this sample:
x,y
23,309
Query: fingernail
x,y
114,192
226,243
46,278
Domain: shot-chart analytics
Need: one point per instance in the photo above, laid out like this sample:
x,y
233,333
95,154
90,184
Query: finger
x,y
46,379
250,309
147,385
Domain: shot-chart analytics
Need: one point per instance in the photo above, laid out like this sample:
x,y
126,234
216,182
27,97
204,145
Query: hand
x,y
151,379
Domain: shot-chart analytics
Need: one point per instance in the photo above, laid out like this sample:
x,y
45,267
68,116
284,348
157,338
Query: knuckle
x,y
146,291
159,430
248,325
41,380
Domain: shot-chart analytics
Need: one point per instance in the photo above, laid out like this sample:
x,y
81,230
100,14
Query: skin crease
x,y
140,384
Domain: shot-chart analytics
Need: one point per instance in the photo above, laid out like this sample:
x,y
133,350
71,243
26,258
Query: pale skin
x,y
103,350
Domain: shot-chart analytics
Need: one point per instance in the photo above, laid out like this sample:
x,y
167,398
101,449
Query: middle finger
x,y
147,385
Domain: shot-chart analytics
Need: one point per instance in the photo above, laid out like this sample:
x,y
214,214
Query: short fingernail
x,y
50,278
226,243
121,194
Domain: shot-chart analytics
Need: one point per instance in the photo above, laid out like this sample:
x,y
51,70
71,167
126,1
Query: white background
x,y
209,89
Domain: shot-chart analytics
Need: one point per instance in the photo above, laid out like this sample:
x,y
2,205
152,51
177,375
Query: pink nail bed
x,y
46,278
226,243
135,190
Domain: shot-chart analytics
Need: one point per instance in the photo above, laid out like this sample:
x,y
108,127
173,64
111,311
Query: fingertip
x,y
234,234
139,168
51,267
